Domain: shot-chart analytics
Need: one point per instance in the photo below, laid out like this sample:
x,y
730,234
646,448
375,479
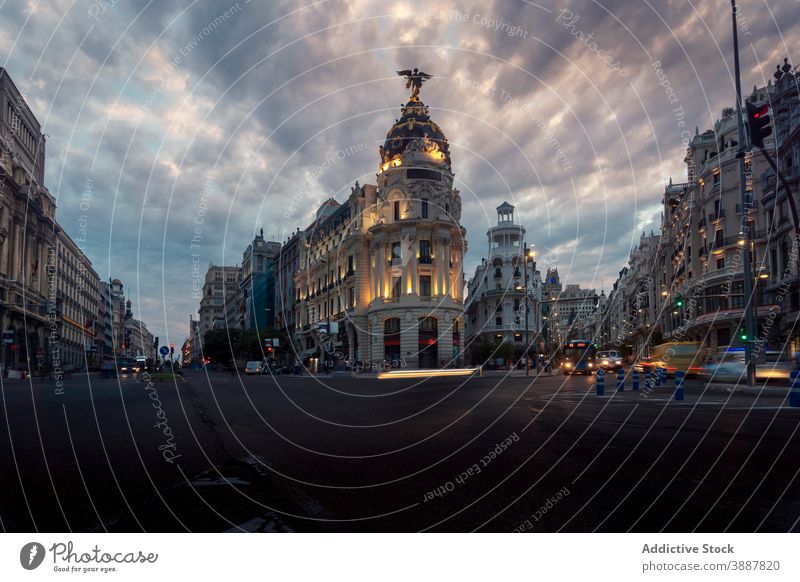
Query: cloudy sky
x,y
178,131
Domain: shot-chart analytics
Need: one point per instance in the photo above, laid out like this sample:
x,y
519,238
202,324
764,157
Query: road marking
x,y
220,481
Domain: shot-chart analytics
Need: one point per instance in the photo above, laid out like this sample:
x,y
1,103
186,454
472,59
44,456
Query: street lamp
x,y
528,254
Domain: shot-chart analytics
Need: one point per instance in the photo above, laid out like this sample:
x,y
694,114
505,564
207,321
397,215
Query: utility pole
x,y
750,323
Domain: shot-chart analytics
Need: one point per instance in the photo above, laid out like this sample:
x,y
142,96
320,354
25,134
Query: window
x,y
425,251
716,180
774,263
350,264
397,210
351,297
498,321
425,286
428,324
391,325
721,263
396,292
787,267
424,209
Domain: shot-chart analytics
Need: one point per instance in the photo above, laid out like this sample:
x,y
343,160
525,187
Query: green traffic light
x,y
744,337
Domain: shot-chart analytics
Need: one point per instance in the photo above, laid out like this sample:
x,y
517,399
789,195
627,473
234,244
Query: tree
x,y
220,345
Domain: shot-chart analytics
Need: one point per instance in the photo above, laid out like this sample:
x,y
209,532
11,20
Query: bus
x,y
579,356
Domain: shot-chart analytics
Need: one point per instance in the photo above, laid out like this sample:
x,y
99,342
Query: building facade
x,y
78,305
222,284
496,297
287,262
381,278
27,233
781,284
258,283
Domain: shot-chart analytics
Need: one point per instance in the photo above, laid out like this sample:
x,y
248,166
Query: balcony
x,y
713,217
425,260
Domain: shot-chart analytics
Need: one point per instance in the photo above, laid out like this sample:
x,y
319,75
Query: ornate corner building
x,y
380,277
496,301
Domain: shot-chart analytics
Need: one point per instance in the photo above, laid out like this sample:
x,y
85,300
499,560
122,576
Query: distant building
x,y
287,262
495,307
570,311
221,284
257,288
78,304
105,316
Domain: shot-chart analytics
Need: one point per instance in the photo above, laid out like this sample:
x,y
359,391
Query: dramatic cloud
x,y
215,115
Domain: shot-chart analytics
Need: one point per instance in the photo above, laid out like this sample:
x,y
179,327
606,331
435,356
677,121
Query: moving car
x,y
253,367
609,360
125,366
730,366
674,356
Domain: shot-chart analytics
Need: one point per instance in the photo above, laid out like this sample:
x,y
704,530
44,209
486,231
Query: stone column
x,y
440,267
446,265
375,341
381,267
456,286
412,268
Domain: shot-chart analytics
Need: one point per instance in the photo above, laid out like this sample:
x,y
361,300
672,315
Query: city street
x,y
298,453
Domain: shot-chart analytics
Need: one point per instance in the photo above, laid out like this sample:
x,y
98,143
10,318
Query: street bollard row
x,y
659,378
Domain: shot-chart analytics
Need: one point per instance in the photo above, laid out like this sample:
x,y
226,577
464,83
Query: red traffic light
x,y
759,123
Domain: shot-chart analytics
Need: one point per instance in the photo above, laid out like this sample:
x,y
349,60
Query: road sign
x,y
164,350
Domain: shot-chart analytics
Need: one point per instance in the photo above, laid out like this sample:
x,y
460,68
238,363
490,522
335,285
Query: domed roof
x,y
116,282
415,123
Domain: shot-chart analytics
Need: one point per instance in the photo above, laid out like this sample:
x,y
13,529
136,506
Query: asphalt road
x,y
220,452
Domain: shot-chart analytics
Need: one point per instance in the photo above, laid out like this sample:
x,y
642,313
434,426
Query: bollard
x,y
678,385
794,389
620,380
600,383
648,381
635,380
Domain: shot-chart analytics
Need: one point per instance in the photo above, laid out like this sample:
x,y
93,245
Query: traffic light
x,y
678,301
743,336
759,123
155,342
171,349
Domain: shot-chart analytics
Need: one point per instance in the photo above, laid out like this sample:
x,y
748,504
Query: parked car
x,y
254,367
730,366
608,360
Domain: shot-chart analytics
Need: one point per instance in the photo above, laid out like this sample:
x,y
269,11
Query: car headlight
x,y
605,362
567,365
619,362
591,365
